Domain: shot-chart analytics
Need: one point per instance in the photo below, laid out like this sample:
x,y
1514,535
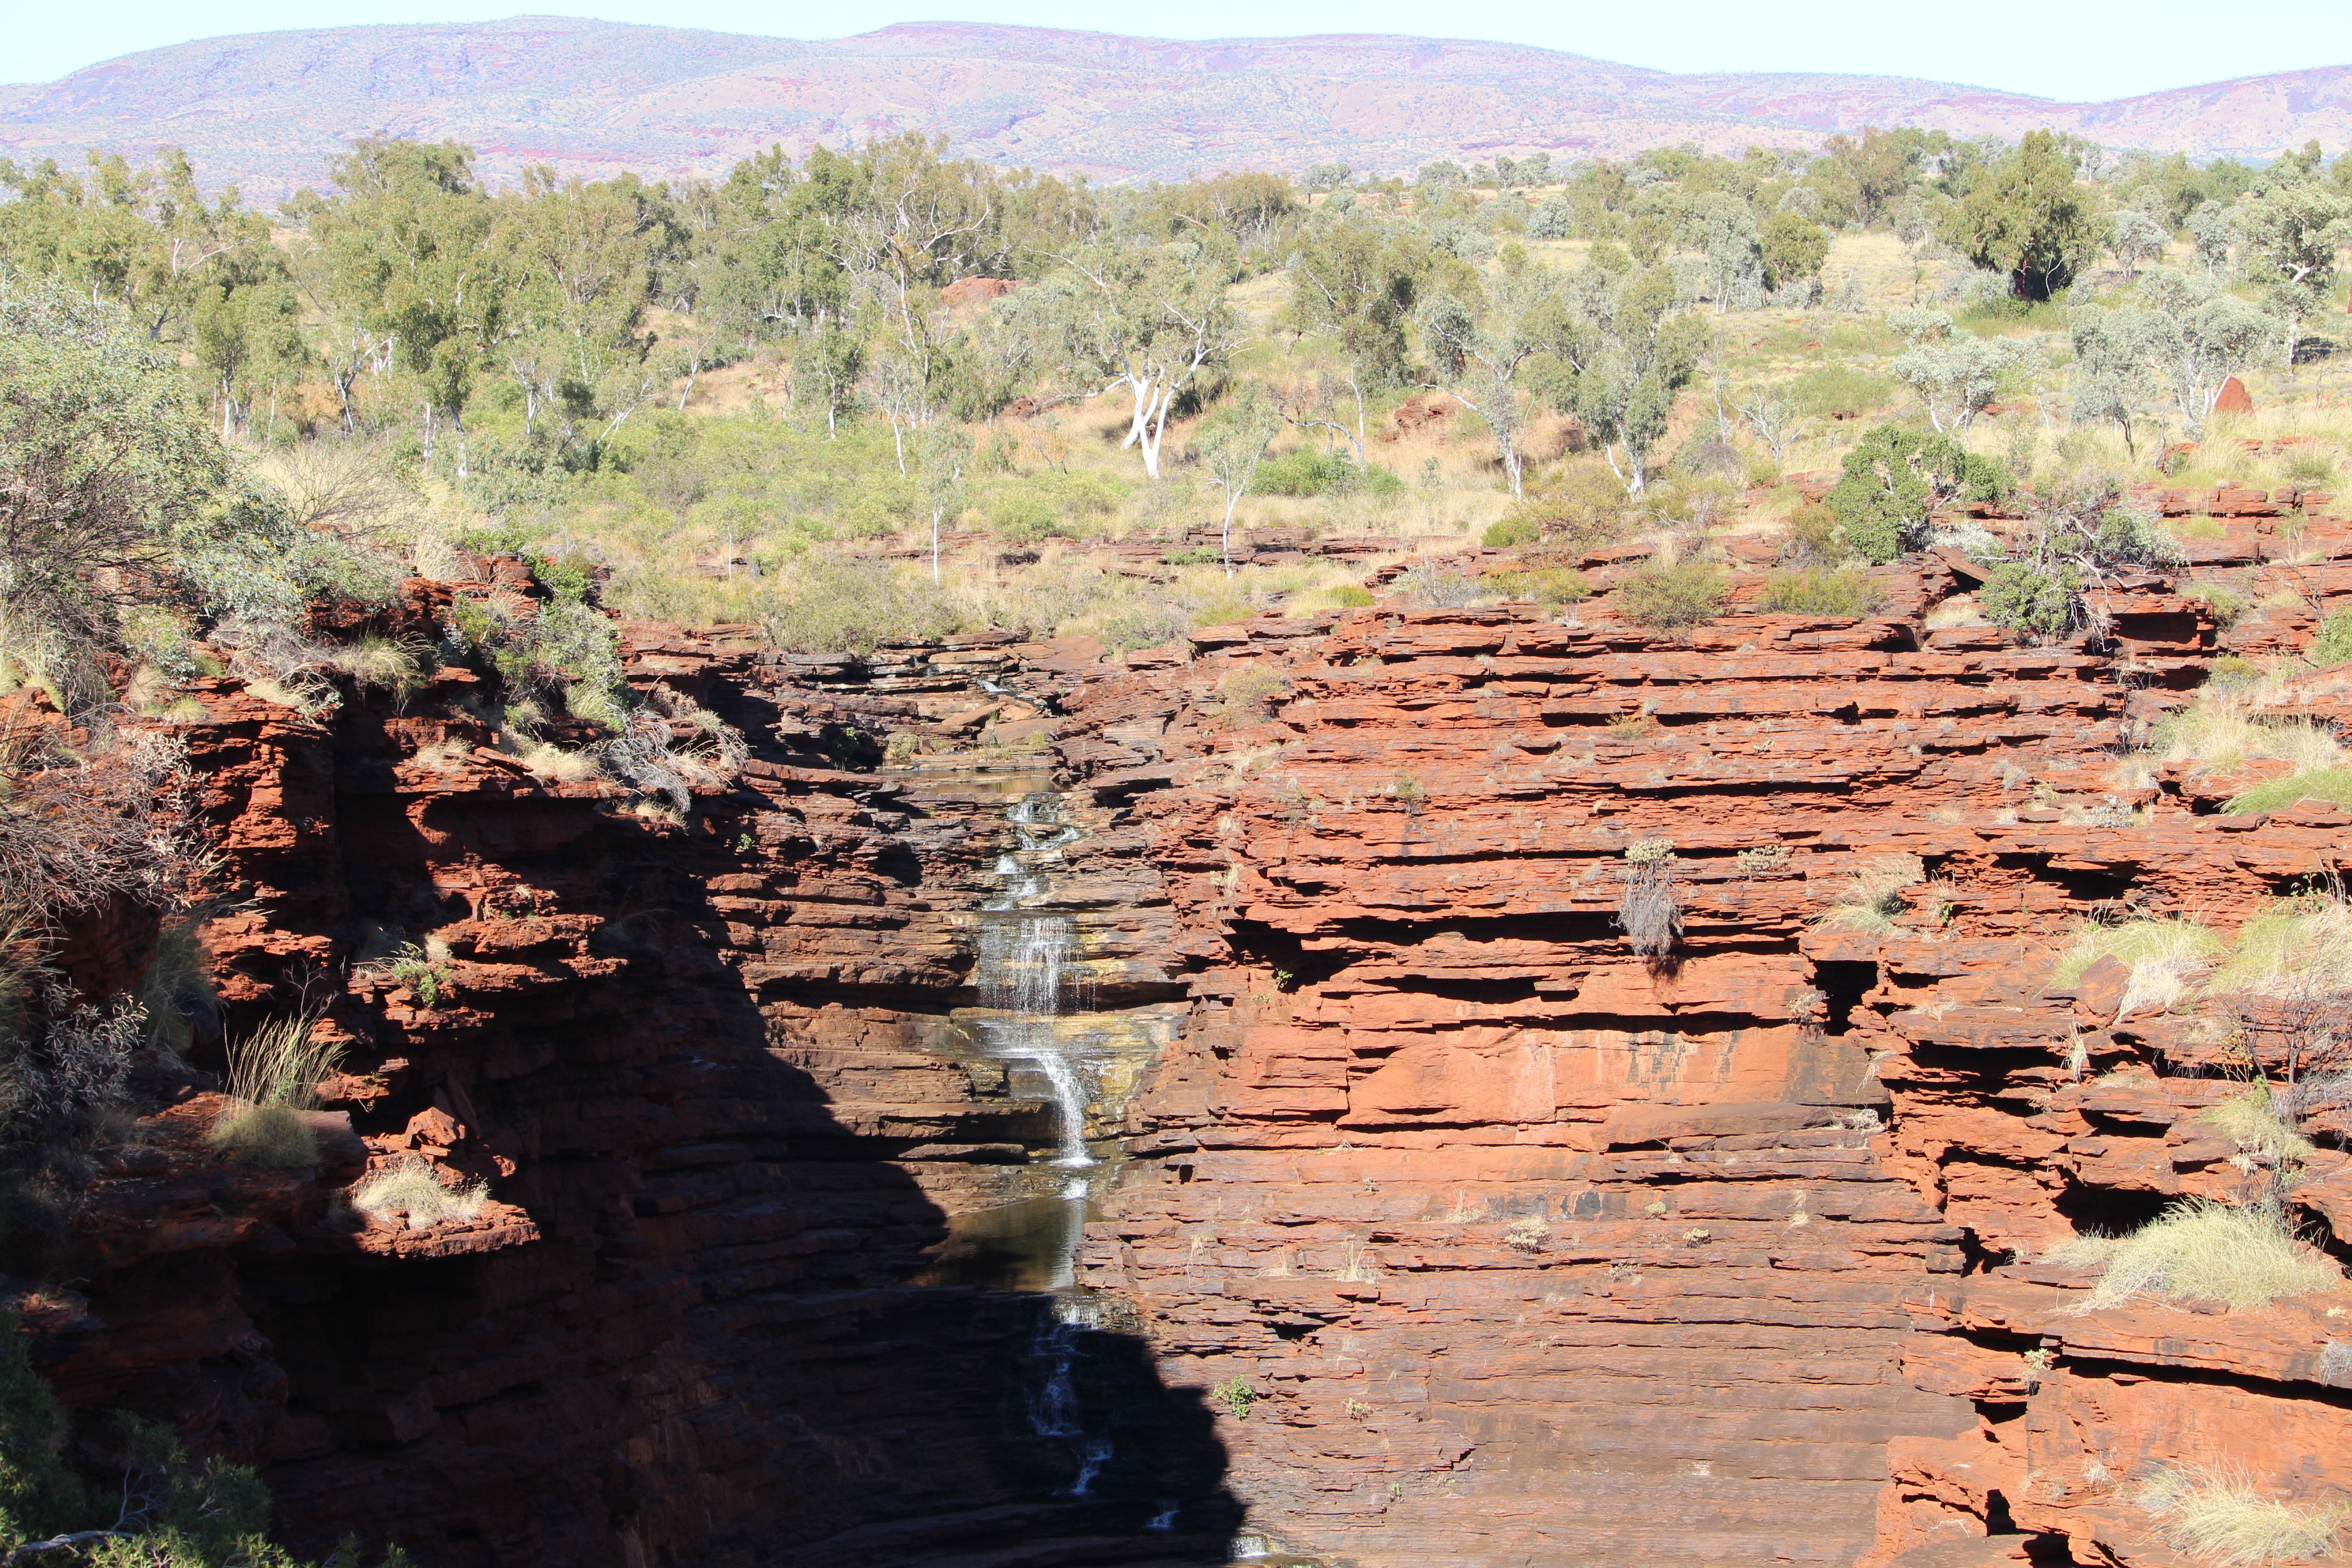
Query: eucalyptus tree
x,y
1355,278
1137,315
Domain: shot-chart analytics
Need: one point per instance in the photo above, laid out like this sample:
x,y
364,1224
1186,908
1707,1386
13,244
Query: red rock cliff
x,y
1525,1249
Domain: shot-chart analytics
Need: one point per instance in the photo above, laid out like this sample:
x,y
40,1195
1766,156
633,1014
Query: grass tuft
x,y
2253,1119
2217,1516
2164,956
2203,1250
269,1136
1834,591
2296,950
1871,899
280,1065
412,1189
2333,785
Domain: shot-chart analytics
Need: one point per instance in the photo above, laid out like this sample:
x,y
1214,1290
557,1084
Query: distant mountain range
x,y
266,110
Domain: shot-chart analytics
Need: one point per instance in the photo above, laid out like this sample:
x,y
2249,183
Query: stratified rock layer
x,y
1518,1248
1450,1230
714,1073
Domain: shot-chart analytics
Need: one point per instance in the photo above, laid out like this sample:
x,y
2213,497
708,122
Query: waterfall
x,y
1027,983
1021,963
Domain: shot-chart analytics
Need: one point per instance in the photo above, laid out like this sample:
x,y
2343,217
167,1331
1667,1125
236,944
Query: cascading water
x,y
1027,985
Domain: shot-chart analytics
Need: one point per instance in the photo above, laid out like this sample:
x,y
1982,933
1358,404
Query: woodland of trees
x,y
505,334
527,353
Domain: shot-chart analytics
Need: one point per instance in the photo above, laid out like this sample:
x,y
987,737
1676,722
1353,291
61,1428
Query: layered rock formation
x,y
716,1070
1527,1249
1444,1227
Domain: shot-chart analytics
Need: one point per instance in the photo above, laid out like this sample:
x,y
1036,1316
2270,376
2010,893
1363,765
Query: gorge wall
x,y
1432,1225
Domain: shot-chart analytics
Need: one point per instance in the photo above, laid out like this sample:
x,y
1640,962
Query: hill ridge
x,y
267,111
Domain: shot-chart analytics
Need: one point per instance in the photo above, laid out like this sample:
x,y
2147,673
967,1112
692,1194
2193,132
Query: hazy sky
x,y
2057,49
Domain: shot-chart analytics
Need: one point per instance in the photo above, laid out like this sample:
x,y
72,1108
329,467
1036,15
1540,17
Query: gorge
x,y
1025,1104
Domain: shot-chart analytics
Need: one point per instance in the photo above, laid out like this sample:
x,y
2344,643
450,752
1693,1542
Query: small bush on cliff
x,y
2022,598
2217,1515
2332,643
1547,586
1649,912
1894,478
1671,598
2332,786
2201,1250
1817,591
2253,1119
2296,950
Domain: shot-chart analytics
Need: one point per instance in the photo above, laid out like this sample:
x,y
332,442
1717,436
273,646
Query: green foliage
x,y
833,606
569,578
1838,390
1512,533
570,651
1580,509
426,974
2026,216
1547,586
2022,597
2332,786
1894,478
1350,596
269,1136
1793,249
1236,1396
2332,644
104,460
1820,591
1021,518
1670,597
1306,472
164,1510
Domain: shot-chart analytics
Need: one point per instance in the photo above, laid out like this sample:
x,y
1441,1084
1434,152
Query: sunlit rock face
x,y
1203,1127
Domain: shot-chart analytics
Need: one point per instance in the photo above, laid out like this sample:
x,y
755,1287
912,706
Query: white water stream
x,y
1027,983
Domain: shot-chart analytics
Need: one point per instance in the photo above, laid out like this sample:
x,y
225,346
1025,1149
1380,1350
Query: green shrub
x,y
1894,478
1512,533
1812,537
1580,509
160,1509
2021,597
2332,643
1671,598
1821,592
569,578
1192,555
1306,472
1547,586
2226,603
1350,596
1834,390
269,1136
1019,520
